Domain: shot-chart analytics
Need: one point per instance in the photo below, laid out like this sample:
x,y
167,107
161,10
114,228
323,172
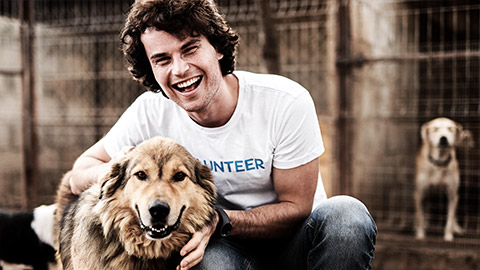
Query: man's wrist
x,y
224,226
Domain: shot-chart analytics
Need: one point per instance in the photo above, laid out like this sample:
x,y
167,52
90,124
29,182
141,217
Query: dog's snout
x,y
443,141
159,210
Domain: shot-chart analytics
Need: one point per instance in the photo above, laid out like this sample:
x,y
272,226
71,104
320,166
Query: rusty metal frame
x,y
29,140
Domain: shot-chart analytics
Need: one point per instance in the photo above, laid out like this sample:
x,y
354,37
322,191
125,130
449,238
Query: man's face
x,y
187,70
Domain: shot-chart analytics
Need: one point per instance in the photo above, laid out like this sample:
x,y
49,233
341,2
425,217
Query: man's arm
x,y
89,167
295,189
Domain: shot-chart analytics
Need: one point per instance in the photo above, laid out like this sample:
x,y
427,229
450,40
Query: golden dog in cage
x,y
436,165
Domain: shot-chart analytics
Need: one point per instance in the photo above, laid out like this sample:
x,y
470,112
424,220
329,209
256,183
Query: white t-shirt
x,y
274,125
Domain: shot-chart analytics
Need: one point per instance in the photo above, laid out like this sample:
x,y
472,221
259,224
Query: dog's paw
x,y
420,235
448,237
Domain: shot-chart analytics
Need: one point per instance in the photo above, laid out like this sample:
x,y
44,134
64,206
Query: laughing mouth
x,y
159,231
188,84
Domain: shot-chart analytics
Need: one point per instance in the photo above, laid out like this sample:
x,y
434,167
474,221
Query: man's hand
x,y
194,250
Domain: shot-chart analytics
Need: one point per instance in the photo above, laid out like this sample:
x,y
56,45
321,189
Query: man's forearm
x,y
267,221
85,176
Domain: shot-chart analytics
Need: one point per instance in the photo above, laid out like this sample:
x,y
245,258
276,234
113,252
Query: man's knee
x,y
222,255
344,217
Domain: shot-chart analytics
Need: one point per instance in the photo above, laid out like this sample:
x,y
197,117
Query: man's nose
x,y
180,66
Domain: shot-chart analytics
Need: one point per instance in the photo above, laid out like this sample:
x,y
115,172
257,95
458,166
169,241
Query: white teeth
x,y
158,230
188,83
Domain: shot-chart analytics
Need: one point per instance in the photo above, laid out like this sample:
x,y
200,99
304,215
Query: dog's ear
x,y
424,131
458,133
463,137
466,139
204,178
115,179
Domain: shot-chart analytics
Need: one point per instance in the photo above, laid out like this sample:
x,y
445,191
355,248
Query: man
x,y
259,135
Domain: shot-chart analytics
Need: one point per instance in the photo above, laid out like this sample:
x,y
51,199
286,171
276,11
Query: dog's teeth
x,y
159,230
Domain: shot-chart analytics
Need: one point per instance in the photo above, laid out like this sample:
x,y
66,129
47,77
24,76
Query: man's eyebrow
x,y
190,43
184,46
157,55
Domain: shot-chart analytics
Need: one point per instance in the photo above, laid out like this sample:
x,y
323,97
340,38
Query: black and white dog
x,y
27,237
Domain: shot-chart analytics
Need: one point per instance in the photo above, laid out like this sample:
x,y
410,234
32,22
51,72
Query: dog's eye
x,y
179,176
141,175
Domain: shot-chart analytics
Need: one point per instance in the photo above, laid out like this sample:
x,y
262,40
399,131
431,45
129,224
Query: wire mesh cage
x,y
417,60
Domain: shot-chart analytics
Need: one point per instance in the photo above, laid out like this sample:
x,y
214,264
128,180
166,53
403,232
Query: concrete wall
x,y
10,114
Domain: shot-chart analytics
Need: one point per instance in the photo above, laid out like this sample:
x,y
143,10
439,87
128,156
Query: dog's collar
x,y
440,163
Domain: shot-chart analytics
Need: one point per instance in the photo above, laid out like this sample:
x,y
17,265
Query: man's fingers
x,y
194,250
192,244
192,259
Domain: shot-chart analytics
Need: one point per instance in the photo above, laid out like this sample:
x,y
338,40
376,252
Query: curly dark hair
x,y
177,17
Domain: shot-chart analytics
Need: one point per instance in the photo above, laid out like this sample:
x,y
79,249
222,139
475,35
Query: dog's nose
x,y
159,210
443,141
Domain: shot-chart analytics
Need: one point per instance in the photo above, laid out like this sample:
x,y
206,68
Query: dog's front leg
x,y
452,225
419,215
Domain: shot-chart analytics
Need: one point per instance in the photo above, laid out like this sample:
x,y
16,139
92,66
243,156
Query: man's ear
x,y
115,179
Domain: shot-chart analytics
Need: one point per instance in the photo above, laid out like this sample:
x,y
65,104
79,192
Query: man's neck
x,y
222,107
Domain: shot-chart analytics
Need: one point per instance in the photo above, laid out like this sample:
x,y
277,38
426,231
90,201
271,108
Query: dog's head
x,y
442,133
164,187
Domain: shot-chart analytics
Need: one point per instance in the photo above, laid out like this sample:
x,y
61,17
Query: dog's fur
x,y
436,164
110,225
27,237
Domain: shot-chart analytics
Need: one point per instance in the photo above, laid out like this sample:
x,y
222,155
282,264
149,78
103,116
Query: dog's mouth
x,y
160,231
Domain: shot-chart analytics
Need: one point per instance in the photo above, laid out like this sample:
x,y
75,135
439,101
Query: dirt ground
x,y
410,254
400,254
7,266
403,260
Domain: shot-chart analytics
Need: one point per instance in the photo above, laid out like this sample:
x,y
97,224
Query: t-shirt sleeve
x,y
299,138
130,129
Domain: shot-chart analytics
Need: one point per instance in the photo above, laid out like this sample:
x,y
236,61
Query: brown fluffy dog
x,y
140,214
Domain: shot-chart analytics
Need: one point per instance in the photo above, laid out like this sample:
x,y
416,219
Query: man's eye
x,y
191,49
141,175
162,61
179,176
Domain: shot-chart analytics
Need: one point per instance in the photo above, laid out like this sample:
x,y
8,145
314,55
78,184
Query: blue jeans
x,y
339,234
